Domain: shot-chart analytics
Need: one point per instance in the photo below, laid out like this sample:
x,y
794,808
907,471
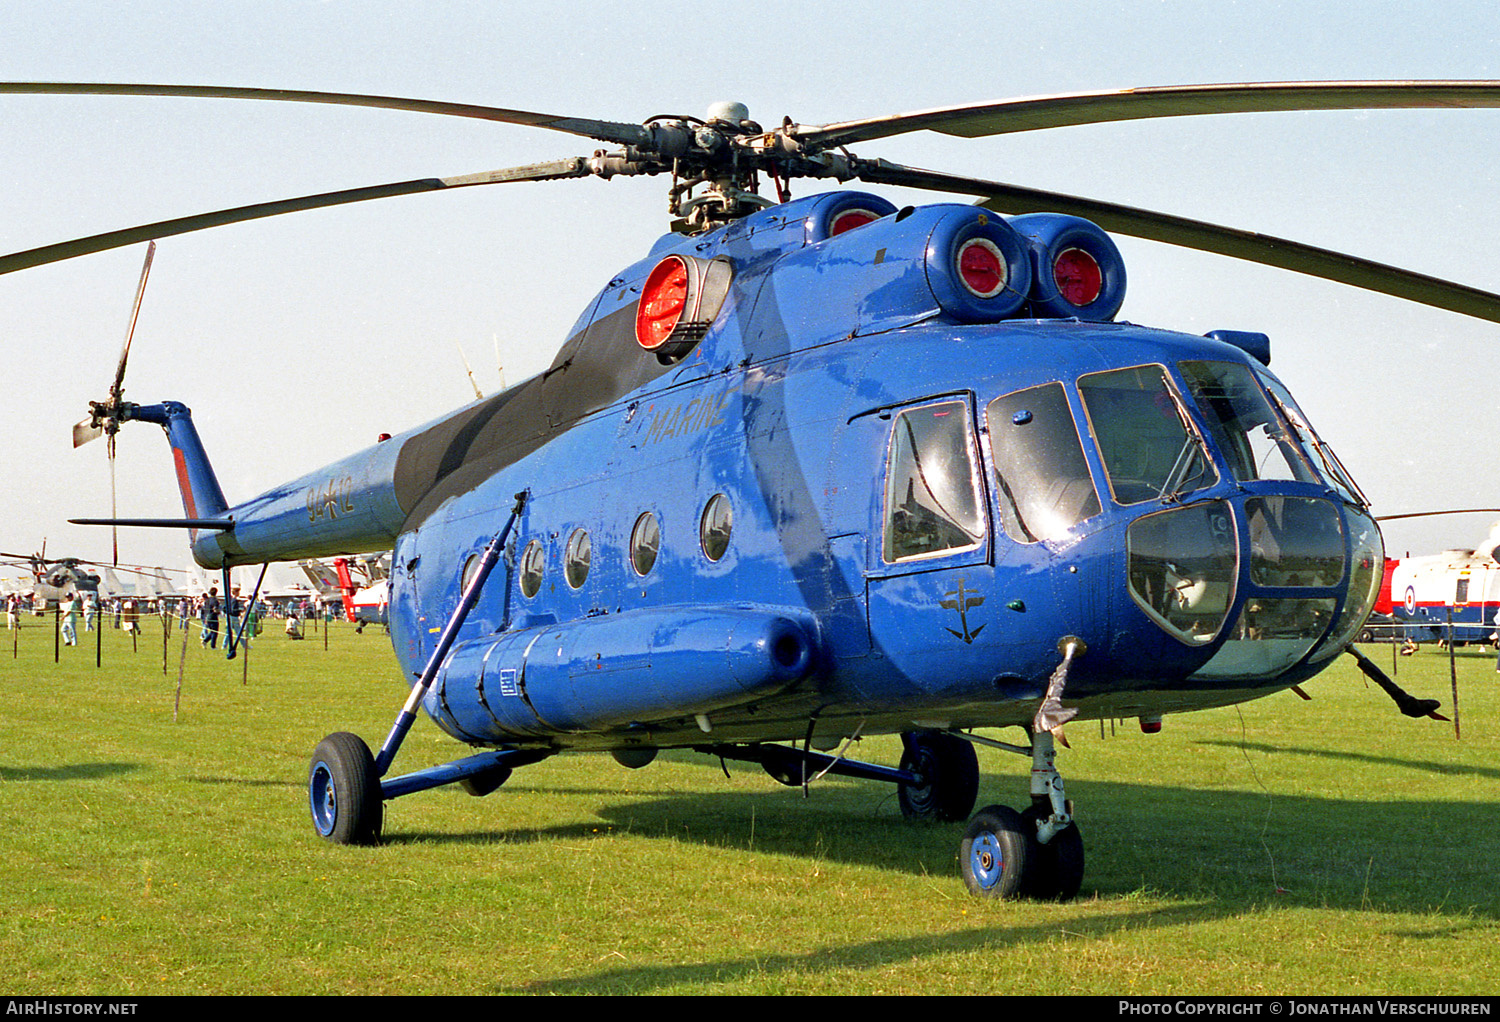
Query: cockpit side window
x,y
932,503
1150,447
1255,438
1042,480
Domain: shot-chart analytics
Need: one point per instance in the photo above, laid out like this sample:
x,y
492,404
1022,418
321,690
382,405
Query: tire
x,y
950,772
993,856
344,792
1057,866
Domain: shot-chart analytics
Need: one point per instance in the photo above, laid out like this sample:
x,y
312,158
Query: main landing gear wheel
x,y
344,791
950,777
995,853
1056,867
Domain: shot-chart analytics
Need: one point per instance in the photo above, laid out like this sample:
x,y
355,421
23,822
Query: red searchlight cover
x,y
680,300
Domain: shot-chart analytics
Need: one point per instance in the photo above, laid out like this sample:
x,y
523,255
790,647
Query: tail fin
x,y
202,499
201,495
347,507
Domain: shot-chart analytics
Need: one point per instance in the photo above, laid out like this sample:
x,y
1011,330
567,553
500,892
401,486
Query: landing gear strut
x,y
346,785
1037,853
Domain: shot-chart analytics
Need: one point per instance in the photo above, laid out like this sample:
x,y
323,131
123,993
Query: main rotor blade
x,y
607,131
1432,514
575,167
1038,112
1204,237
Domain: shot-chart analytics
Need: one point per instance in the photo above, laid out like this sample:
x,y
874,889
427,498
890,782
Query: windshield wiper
x,y
1178,479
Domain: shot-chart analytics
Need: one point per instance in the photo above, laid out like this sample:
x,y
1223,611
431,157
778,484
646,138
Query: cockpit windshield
x,y
1318,452
1150,447
1256,439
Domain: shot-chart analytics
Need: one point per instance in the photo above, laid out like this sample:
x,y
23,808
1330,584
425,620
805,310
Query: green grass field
x,y
1282,847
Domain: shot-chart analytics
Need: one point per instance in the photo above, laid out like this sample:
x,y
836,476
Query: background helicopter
x,y
58,578
55,579
1448,596
364,587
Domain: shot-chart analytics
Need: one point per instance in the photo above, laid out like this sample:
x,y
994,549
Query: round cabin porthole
x,y
471,568
578,557
532,562
645,541
715,525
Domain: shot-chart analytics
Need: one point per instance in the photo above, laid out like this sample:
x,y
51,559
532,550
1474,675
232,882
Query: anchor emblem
x,y
966,599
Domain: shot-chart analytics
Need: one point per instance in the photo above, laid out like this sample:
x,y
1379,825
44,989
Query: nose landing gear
x,y
1035,854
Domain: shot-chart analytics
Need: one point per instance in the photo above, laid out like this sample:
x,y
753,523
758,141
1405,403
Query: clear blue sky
x,y
297,340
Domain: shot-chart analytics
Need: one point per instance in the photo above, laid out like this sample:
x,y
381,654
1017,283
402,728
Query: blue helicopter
x,y
817,469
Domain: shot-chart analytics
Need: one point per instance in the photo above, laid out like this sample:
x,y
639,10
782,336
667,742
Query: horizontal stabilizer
x,y
223,524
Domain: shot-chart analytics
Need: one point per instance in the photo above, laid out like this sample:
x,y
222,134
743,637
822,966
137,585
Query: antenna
x,y
468,369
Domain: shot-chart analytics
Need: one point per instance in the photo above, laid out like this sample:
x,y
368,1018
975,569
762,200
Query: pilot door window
x,y
1042,483
932,503
1150,448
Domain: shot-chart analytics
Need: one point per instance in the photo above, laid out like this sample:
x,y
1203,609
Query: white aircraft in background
x,y
1420,593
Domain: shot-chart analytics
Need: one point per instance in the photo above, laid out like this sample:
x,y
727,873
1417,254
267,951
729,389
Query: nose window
x,y
1295,541
1270,635
1365,572
1182,567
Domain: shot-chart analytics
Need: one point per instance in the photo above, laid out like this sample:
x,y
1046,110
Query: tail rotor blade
x,y
85,431
135,311
114,512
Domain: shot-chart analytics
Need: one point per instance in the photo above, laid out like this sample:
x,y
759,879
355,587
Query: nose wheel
x,y
994,854
1057,866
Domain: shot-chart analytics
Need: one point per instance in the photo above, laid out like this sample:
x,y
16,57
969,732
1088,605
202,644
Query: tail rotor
x,y
105,416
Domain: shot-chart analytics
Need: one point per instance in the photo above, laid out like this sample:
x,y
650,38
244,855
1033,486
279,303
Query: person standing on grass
x,y
210,637
70,621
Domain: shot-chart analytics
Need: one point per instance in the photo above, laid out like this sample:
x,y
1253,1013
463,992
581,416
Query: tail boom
x,y
344,508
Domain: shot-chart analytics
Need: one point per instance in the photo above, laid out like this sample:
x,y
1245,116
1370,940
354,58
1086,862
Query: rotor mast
x,y
716,164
